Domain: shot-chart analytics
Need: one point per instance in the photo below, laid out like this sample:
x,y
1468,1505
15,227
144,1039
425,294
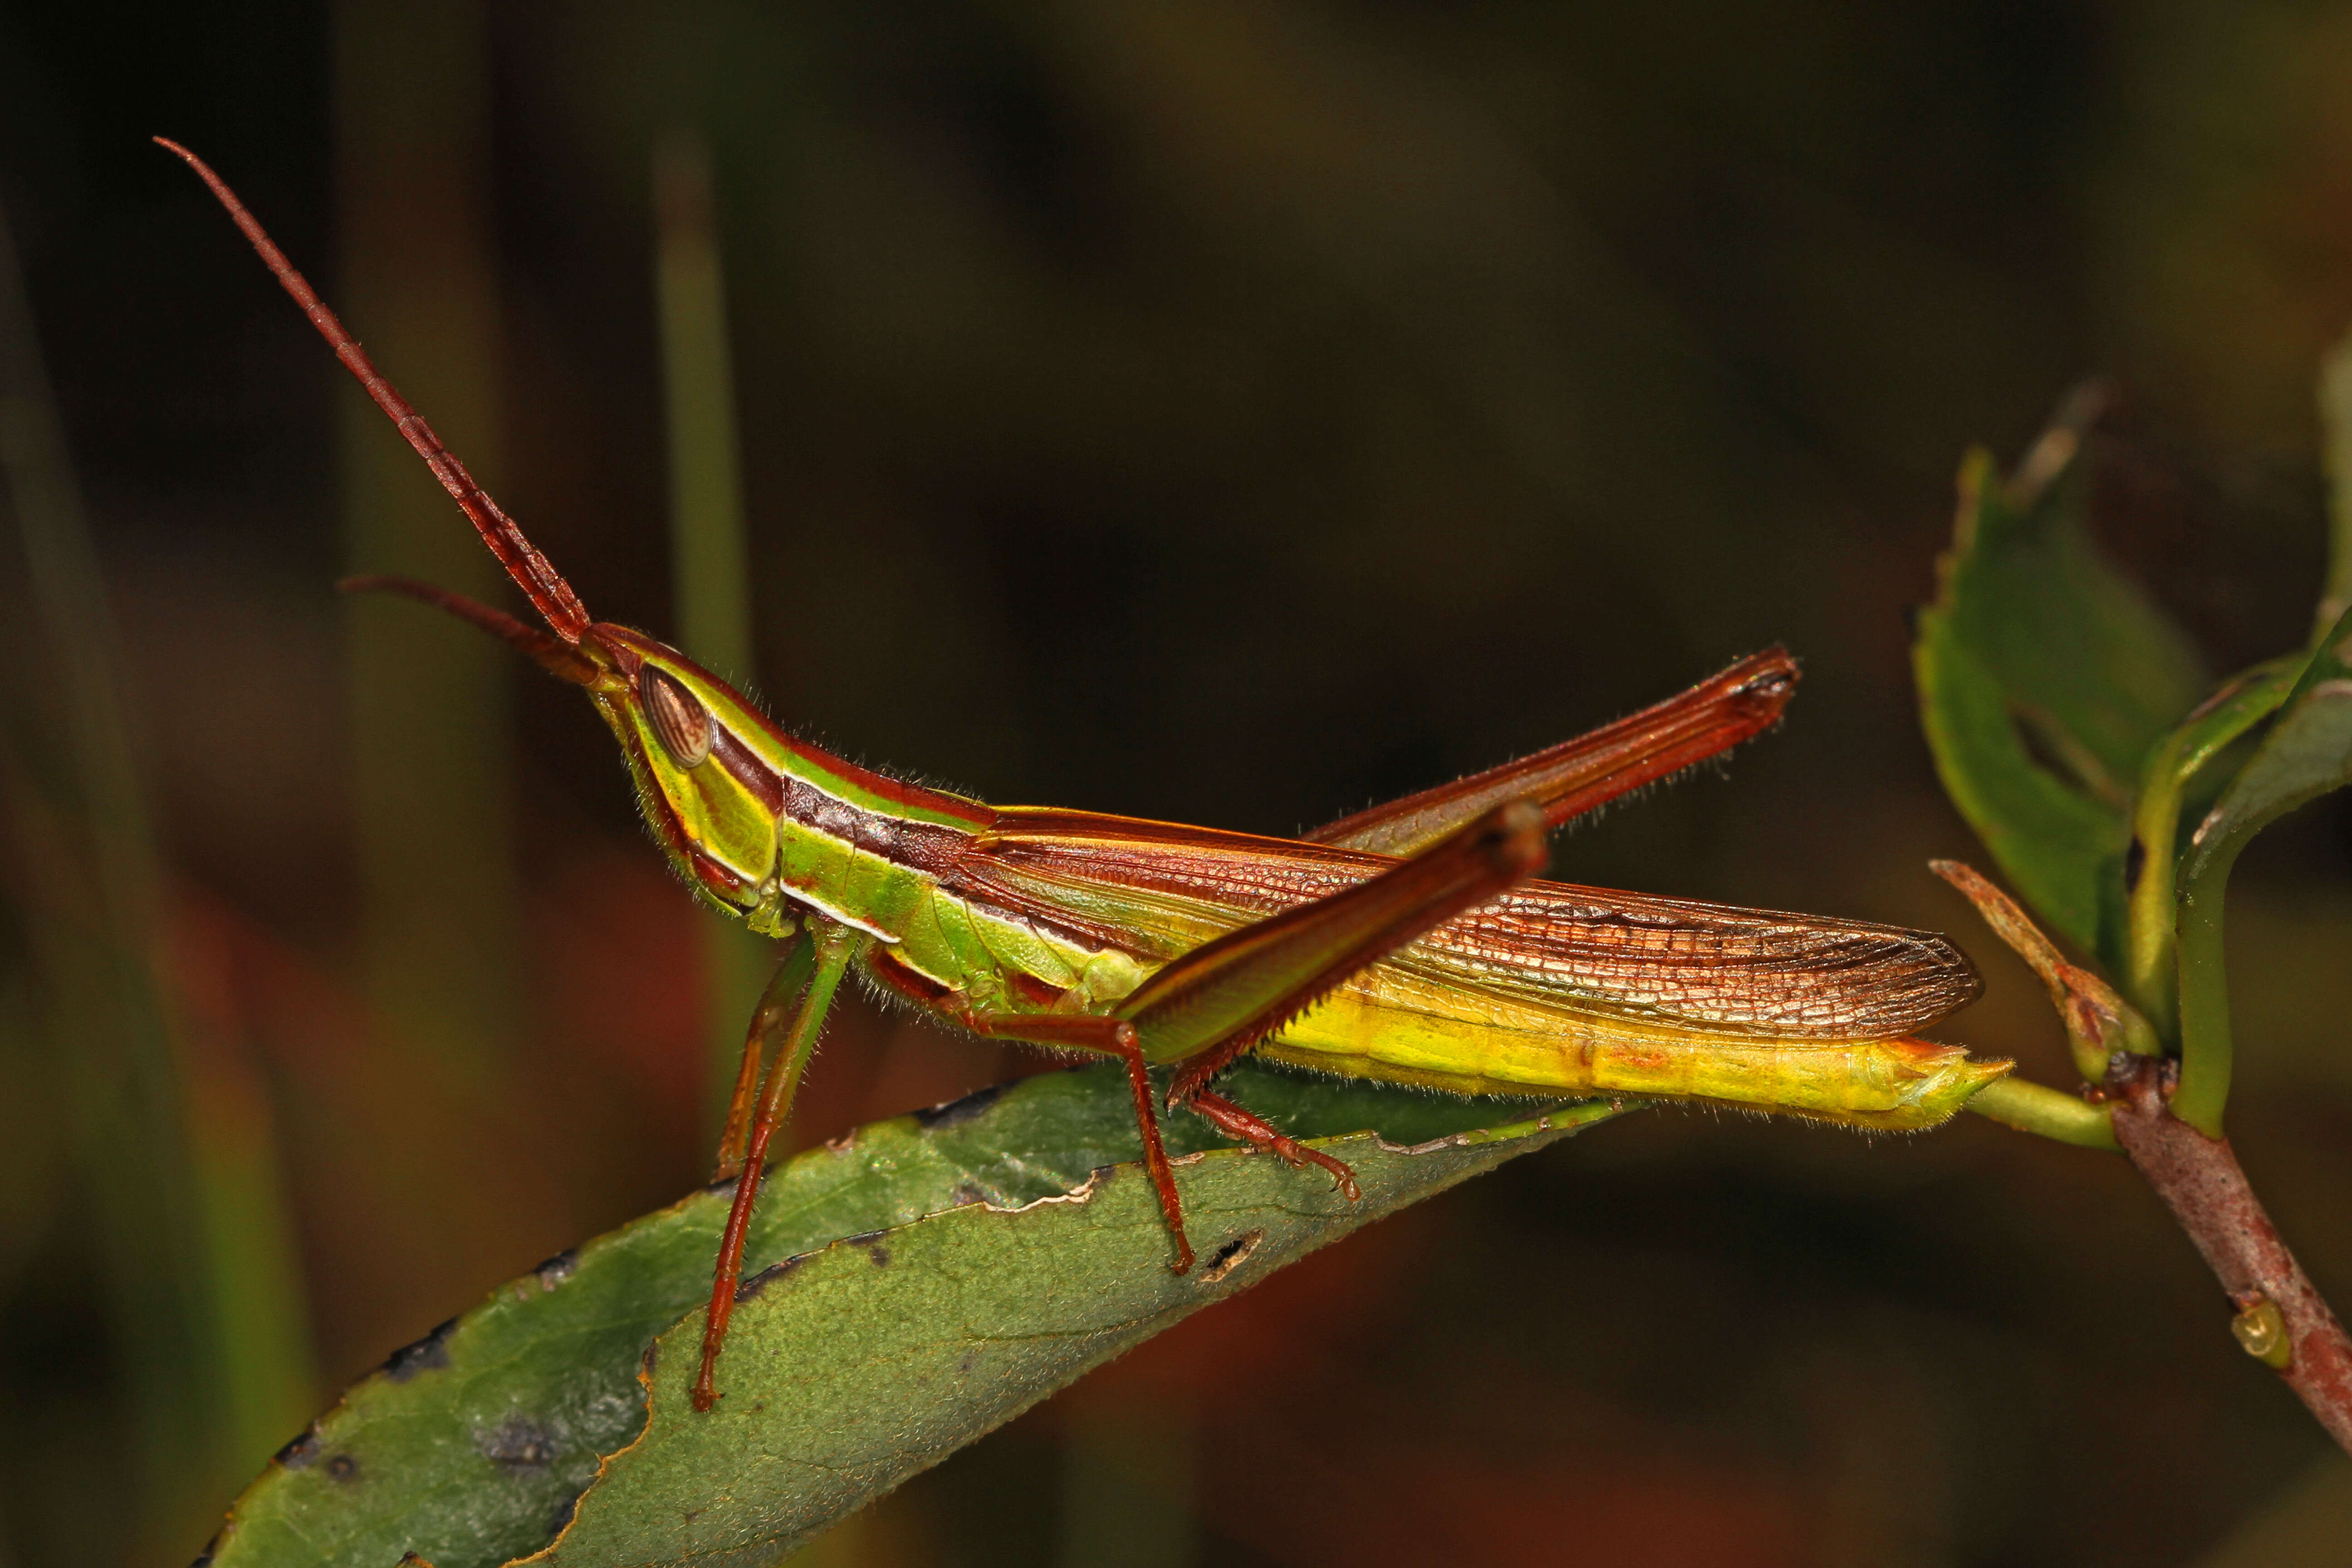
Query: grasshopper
x,y
1408,943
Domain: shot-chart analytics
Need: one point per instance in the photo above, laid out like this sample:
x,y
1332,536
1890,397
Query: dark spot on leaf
x,y
519,1444
967,1192
864,1239
205,1558
557,1270
344,1467
956,1112
769,1276
564,1512
2134,862
1231,1255
881,1255
725,1185
964,1364
430,1353
299,1454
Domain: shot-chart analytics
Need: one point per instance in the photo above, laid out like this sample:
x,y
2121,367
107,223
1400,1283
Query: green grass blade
x,y
2336,453
711,556
431,704
173,1144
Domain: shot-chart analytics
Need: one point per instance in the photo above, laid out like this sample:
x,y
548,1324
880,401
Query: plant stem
x,y
2206,1046
2148,925
2053,1113
2198,1179
2218,720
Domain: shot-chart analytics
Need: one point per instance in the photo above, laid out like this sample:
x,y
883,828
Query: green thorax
x,y
767,827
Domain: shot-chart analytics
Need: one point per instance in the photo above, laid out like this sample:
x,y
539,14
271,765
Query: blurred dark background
x,y
1233,413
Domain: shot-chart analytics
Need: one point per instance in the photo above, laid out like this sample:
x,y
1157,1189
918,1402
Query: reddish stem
x,y
2198,1179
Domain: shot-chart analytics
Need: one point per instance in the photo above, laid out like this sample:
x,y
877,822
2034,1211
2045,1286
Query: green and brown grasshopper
x,y
1408,943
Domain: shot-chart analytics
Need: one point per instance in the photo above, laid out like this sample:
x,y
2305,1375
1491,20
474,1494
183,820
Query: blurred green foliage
x,y
1237,415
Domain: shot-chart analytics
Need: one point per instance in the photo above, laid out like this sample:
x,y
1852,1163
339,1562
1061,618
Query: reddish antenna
x,y
532,572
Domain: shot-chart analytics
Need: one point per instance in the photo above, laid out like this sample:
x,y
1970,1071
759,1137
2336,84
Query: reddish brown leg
x,y
1116,1038
834,947
776,1007
1215,1002
1192,1092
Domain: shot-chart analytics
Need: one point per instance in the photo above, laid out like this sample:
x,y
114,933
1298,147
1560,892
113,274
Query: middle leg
x,y
777,1007
1116,1038
834,947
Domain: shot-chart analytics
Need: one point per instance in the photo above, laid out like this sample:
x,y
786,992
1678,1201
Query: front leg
x,y
831,948
778,1004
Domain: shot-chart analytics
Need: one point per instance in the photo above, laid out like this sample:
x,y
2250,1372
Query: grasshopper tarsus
x,y
1236,1122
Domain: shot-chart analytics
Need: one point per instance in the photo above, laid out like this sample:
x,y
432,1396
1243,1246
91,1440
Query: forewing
x,y
1801,976
1158,888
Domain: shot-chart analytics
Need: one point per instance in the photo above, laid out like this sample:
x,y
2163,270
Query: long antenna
x,y
532,572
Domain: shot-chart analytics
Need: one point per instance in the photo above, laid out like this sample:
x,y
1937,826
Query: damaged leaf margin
x,y
878,1357
474,1447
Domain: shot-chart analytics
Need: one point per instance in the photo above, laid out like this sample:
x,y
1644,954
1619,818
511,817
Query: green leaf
x,y
2306,754
474,1446
2044,676
880,1355
2199,756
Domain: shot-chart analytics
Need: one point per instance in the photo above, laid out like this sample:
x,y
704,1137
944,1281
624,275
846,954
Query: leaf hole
x,y
1230,1256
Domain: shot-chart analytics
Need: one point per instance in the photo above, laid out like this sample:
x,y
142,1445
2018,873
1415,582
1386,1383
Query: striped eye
x,y
679,719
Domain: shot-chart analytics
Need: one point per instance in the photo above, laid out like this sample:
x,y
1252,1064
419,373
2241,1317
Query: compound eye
x,y
679,719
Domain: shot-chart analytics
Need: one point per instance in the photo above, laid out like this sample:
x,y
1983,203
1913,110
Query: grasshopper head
x,y
690,740
711,801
